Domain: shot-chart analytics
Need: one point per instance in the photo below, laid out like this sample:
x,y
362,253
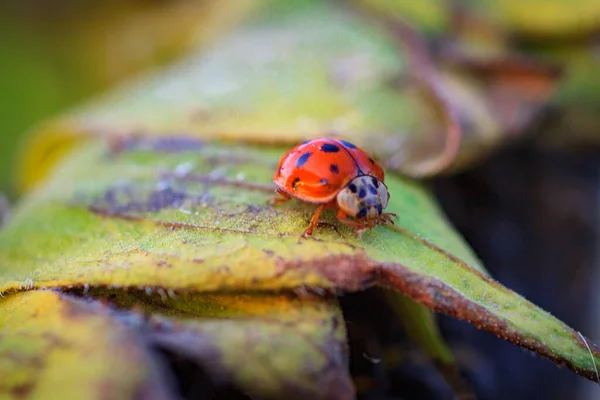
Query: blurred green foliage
x,y
28,67
56,54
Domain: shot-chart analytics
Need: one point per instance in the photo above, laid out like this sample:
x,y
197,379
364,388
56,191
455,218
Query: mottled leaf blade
x,y
196,211
55,345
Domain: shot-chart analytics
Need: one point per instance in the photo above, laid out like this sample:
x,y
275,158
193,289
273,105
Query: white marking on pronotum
x,y
162,293
591,355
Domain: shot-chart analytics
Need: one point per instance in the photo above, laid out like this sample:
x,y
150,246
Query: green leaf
x,y
203,212
179,214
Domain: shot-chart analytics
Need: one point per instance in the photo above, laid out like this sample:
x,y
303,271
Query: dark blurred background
x,y
529,211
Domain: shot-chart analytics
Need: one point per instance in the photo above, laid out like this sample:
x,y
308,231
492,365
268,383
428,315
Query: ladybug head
x,y
364,197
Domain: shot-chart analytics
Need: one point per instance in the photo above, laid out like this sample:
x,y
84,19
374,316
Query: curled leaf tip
x,y
427,78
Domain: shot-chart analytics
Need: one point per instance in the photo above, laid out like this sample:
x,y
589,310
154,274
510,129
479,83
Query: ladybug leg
x,y
386,218
360,225
313,221
281,197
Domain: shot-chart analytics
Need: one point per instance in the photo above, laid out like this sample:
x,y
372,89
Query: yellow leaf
x,y
54,345
270,345
547,18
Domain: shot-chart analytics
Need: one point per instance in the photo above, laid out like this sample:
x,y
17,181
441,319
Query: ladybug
x,y
338,175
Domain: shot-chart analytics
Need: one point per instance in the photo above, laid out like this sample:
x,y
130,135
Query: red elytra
x,y
334,174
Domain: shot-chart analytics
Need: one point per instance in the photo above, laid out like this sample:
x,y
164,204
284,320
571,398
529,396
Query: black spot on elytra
x,y
375,182
302,160
323,181
372,189
334,168
295,182
362,213
352,187
371,161
330,148
362,193
348,144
